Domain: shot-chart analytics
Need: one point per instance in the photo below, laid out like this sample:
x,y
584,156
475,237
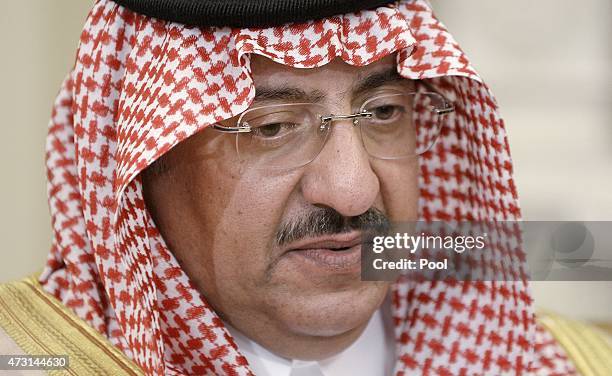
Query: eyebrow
x,y
287,93
376,80
295,94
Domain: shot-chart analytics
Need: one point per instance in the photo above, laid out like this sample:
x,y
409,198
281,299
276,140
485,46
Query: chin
x,y
331,314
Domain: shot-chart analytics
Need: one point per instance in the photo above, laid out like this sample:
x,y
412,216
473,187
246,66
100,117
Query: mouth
x,y
331,253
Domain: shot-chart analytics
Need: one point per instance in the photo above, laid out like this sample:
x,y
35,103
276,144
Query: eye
x,y
386,112
273,129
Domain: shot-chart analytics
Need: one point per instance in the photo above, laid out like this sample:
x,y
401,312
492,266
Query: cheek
x,y
252,211
398,188
240,221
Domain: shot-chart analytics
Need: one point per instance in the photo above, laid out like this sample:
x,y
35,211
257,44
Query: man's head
x,y
276,253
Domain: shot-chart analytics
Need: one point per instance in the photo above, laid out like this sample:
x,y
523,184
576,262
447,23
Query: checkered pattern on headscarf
x,y
140,86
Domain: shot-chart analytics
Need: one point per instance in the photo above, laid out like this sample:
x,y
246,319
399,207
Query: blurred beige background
x,y
548,62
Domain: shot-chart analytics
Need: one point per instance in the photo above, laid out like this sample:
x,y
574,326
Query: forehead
x,y
334,76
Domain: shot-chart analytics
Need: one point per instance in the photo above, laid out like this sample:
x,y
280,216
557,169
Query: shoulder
x,y
8,345
12,296
36,323
587,347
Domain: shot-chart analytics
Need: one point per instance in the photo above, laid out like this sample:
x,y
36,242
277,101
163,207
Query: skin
x,y
219,216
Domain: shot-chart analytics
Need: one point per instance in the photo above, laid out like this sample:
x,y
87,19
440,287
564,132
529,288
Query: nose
x,y
341,176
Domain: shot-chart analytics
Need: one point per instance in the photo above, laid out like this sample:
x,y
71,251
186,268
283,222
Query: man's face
x,y
221,217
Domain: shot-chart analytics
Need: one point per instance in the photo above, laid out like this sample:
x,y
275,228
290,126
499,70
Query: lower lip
x,y
346,261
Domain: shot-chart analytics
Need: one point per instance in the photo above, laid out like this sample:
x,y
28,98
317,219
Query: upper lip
x,y
334,241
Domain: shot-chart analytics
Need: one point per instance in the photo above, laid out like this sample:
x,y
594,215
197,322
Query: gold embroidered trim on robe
x,y
41,325
589,350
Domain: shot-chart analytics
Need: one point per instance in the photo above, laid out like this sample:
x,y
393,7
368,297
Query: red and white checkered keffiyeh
x,y
140,86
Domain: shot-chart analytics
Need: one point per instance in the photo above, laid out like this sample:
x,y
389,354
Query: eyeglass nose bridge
x,y
326,120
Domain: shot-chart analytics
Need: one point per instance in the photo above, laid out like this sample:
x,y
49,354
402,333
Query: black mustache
x,y
327,221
